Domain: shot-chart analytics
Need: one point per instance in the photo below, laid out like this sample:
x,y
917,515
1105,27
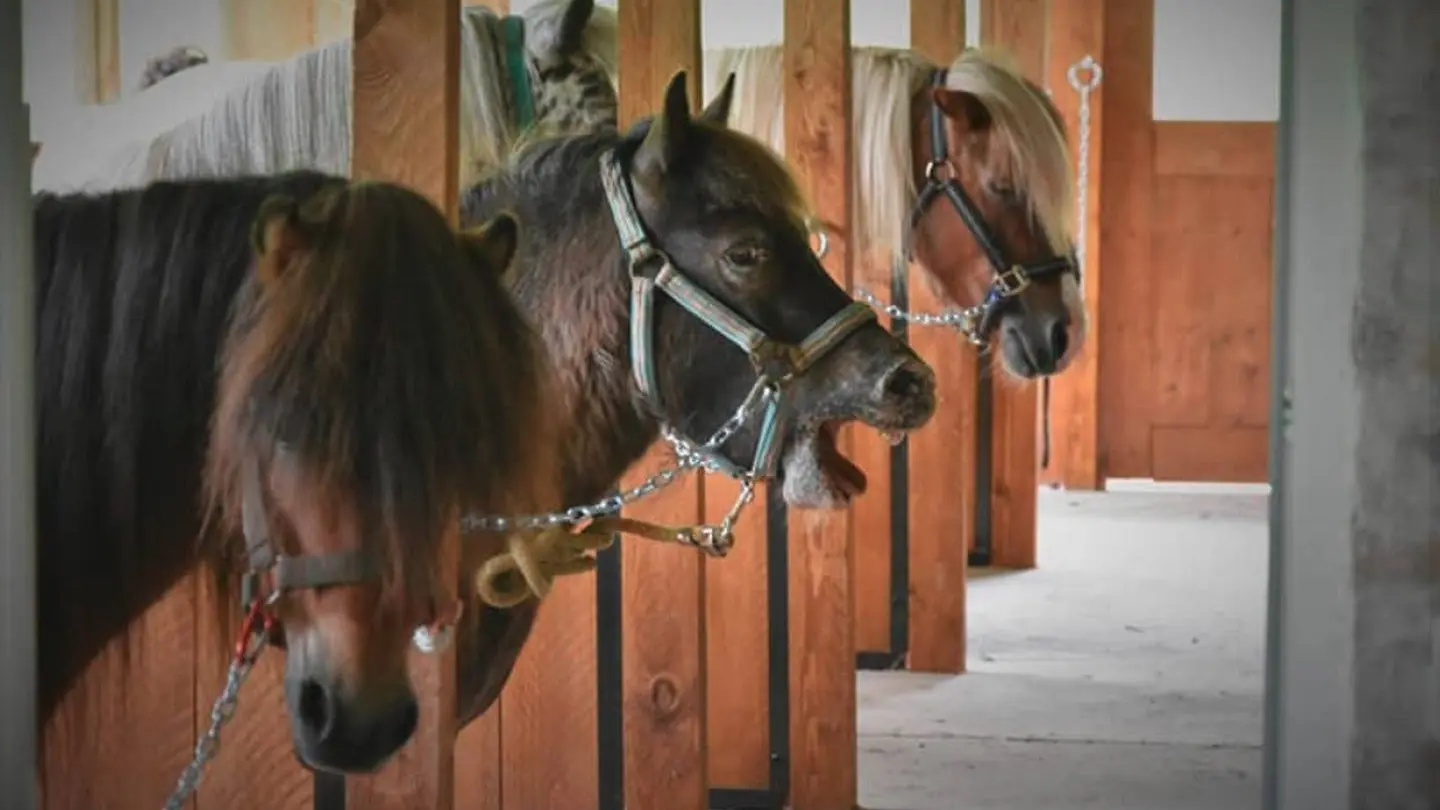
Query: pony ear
x,y
966,108
276,237
494,242
718,110
669,136
572,27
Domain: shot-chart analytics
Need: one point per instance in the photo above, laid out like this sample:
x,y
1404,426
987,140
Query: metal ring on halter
x,y
824,246
932,170
1089,64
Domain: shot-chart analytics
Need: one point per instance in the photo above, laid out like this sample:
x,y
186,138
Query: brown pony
x,y
718,208
963,168
345,374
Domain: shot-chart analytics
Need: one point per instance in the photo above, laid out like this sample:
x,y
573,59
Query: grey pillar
x,y
1353,704
17,431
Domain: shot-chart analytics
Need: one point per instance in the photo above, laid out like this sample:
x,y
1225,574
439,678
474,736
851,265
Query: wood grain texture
x,y
105,28
1019,29
738,644
1127,172
268,29
122,735
257,740
406,101
549,756
663,587
1237,149
1213,236
1077,30
943,453
479,774
823,753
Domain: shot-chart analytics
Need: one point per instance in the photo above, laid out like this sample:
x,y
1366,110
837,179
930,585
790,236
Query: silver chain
x,y
963,321
1084,86
689,456
220,714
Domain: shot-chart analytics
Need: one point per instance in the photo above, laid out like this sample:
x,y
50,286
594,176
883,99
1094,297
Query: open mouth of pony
x,y
814,471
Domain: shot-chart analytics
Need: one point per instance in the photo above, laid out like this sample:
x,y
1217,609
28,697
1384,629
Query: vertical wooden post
x,y
1077,30
1019,27
268,29
823,751
105,29
406,103
663,587
943,453
1127,377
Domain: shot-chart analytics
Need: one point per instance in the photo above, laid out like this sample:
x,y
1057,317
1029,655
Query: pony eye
x,y
745,255
1005,193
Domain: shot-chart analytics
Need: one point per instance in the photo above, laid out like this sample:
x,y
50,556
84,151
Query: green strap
x,y
519,73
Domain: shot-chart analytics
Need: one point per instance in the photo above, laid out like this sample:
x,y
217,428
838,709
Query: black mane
x,y
134,291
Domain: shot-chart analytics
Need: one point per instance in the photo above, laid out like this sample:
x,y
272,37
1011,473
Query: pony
x,y
712,251
551,69
963,168
315,378
358,411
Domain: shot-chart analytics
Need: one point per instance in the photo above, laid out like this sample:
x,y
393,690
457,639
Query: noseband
x,y
1010,278
271,574
776,362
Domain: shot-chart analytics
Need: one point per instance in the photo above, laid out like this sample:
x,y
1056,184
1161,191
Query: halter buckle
x,y
775,361
1012,282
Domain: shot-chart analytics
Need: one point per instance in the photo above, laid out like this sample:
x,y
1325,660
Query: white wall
x,y
149,28
1217,60
727,23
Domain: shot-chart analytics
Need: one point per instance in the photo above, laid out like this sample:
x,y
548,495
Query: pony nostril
x,y
1059,339
408,721
904,382
316,710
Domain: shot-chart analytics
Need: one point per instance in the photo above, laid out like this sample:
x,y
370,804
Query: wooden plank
x,y
1126,170
663,591
1020,30
1077,30
548,752
146,680
258,739
943,453
1227,455
1017,28
1215,149
737,605
1212,343
823,753
106,31
268,29
406,86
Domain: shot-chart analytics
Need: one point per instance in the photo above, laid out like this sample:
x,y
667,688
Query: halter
x,y
1011,278
776,362
271,575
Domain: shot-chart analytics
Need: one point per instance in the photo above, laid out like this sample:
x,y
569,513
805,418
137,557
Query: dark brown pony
x,y
345,375
729,216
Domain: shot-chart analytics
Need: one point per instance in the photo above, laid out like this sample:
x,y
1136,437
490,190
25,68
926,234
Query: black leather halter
x,y
1011,278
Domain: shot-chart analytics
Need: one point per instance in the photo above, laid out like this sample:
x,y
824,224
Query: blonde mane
x,y
1026,130
245,117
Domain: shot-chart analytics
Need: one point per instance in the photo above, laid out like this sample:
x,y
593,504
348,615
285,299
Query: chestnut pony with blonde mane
x,y
1004,146
343,373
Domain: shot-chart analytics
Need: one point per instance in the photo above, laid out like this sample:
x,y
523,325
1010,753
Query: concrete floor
x,y
1125,673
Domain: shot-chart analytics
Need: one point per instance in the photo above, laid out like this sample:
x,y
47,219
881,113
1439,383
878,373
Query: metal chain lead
x,y
1084,87
688,457
220,714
